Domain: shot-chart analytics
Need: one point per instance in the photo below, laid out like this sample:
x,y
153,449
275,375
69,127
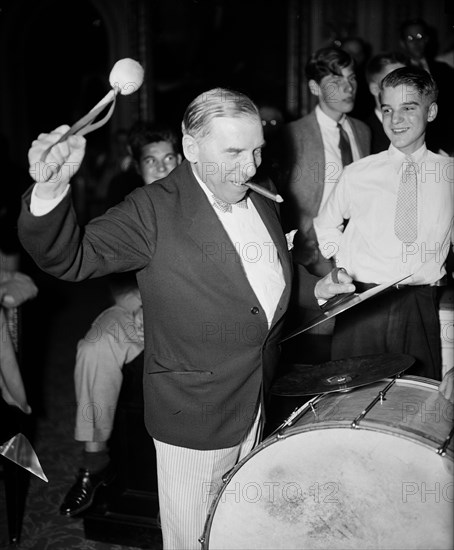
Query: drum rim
x,y
371,426
416,380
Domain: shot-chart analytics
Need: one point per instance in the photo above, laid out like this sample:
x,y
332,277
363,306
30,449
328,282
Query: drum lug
x,y
227,475
380,397
296,415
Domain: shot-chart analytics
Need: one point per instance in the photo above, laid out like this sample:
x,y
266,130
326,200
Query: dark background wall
x,y
56,55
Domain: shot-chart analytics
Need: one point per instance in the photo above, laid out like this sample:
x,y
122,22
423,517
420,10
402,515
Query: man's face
x,y
415,41
229,155
405,117
336,93
157,161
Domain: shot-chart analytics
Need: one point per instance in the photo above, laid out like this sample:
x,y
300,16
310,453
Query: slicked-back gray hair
x,y
216,103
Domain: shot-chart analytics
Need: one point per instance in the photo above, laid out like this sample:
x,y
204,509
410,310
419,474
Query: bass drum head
x,y
336,487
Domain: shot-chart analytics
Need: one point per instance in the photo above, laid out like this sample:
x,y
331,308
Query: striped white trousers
x,y
188,482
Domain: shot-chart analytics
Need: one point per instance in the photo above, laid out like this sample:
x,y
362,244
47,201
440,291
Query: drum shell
x,y
323,484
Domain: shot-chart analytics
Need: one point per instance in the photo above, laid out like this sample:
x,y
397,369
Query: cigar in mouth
x,y
262,191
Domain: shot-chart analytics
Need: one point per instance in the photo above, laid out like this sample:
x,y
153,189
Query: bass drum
x,y
368,468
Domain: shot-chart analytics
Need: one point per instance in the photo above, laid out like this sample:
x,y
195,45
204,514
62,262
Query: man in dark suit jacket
x,y
214,273
314,158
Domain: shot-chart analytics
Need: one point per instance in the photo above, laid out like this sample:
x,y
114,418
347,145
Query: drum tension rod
x,y
313,409
296,415
442,449
380,397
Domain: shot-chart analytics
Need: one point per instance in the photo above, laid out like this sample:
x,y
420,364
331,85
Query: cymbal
x,y
340,375
342,302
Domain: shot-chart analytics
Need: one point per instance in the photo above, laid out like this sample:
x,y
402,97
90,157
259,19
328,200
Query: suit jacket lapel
x,y
358,138
314,153
271,221
204,227
269,216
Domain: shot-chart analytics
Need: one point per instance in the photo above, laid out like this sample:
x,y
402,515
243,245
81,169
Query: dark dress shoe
x,y
81,495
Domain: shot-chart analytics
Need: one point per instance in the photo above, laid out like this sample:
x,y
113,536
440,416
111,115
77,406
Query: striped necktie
x,y
406,218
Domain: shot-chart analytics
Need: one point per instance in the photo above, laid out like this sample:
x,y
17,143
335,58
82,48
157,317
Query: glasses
x,y
269,122
417,36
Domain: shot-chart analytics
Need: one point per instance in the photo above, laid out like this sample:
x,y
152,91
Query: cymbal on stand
x,y
340,375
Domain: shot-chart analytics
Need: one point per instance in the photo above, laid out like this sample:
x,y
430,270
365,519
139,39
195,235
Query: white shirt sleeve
x,y
40,207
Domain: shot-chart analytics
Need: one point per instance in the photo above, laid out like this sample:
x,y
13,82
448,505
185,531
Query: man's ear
x,y
374,88
190,148
314,88
432,112
179,158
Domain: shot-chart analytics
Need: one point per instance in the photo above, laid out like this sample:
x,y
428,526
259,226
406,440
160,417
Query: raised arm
x,y
48,227
53,172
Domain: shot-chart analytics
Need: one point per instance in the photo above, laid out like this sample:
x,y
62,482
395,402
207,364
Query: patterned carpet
x,y
66,310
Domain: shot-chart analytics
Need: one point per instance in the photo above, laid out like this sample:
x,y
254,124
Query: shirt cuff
x,y
40,207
